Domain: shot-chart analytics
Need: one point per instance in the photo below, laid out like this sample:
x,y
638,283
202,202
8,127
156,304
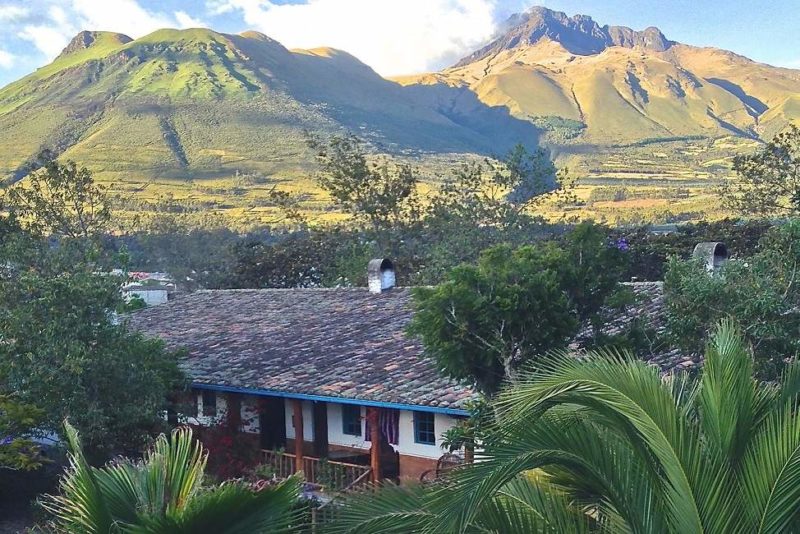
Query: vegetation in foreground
x,y
165,493
605,443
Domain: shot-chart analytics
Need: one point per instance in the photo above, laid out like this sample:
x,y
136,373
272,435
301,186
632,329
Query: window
x,y
351,420
424,428
189,407
209,403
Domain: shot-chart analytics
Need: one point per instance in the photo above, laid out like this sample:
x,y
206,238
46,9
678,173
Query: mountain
x,y
195,103
592,87
215,120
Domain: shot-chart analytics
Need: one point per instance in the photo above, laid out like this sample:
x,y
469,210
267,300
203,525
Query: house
x,y
315,373
152,288
331,373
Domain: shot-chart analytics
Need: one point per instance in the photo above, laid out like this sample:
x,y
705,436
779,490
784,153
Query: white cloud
x,y
58,15
10,13
68,18
7,59
393,37
123,16
187,21
49,40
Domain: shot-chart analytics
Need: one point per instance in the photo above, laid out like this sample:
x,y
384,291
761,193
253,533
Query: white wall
x,y
151,297
207,420
335,434
308,420
250,418
406,444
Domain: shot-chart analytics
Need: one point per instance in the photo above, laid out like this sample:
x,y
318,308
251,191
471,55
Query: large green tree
x,y
486,321
63,348
605,443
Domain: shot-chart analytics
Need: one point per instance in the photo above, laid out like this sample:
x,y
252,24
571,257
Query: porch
x,y
327,475
334,445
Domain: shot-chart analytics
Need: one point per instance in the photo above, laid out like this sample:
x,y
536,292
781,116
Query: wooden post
x,y
375,438
297,419
234,411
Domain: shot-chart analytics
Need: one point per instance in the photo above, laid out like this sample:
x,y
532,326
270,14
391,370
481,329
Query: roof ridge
x,y
290,289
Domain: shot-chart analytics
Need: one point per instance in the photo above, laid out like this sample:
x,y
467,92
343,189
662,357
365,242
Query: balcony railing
x,y
329,475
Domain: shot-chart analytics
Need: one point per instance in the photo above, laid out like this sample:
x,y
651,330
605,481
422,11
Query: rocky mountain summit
x,y
578,34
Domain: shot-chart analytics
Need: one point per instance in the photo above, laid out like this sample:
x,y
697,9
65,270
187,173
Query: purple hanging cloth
x,y
389,423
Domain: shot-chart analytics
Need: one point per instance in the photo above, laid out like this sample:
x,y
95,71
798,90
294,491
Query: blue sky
x,y
392,36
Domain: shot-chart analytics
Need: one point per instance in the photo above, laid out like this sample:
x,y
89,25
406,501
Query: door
x,y
272,423
321,429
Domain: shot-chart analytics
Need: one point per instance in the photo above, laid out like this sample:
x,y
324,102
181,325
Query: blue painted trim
x,y
339,400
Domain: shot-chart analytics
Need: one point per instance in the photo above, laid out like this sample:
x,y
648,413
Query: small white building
x,y
152,288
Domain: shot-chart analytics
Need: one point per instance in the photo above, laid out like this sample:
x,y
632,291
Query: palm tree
x,y
610,444
164,493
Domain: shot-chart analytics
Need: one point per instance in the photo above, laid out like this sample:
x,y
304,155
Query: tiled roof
x,y
346,343
650,309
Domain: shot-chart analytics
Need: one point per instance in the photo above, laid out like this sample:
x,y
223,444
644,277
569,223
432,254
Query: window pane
x,y
351,420
424,428
209,403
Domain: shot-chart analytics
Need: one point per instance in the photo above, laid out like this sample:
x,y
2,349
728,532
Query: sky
x,y
392,36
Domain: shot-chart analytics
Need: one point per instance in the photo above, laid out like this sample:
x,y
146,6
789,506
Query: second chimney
x,y
712,253
380,275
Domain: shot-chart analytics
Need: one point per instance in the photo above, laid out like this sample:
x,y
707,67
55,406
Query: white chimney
x,y
380,275
712,253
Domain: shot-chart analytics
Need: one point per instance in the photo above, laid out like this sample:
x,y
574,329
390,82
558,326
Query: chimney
x,y
712,253
380,275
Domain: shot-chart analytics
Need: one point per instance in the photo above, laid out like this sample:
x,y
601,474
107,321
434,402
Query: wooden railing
x,y
329,475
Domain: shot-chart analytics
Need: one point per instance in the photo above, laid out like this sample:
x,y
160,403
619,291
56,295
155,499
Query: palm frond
x,y
770,474
231,508
644,410
386,509
523,505
81,507
729,400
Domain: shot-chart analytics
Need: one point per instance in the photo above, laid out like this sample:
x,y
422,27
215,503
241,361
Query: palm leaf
x,y
231,508
770,474
633,395
81,507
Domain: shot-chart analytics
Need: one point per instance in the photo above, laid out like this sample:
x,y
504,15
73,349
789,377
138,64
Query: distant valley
x,y
214,120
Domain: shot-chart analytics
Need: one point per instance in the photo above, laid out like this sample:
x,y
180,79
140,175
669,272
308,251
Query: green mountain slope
x,y
197,103
607,86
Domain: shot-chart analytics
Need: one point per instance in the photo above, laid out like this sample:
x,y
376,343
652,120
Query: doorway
x,y
272,423
321,429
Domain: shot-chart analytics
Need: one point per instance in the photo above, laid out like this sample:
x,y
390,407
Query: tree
x,y
498,193
760,294
60,200
606,442
165,493
769,180
63,350
486,321
18,422
62,347
375,190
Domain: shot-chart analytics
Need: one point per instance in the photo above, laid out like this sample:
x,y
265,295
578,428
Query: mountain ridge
x,y
195,104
